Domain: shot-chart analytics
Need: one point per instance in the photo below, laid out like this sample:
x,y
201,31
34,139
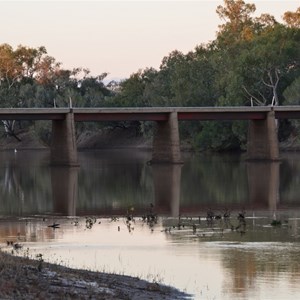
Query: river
x,y
217,227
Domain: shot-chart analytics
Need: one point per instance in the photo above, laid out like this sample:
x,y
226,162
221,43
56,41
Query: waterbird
x,y
226,214
276,223
54,225
17,246
241,216
194,228
210,215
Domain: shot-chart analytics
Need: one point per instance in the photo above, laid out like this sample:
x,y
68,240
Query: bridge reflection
x,y
263,194
263,182
167,187
64,182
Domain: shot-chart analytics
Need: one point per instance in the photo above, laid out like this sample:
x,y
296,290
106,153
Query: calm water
x,y
211,258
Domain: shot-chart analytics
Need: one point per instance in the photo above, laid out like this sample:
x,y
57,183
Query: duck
x,y
54,225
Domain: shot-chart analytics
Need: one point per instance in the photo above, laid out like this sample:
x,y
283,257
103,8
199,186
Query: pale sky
x,y
118,37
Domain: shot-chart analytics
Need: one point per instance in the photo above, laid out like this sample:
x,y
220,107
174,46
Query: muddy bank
x,y
23,278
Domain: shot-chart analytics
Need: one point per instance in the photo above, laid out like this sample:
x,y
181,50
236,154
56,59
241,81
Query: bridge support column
x,y
63,148
262,139
166,143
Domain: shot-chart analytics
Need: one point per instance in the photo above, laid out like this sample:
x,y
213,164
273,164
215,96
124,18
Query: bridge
x,y
262,133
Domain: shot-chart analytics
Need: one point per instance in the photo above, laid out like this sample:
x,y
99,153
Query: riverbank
x,y
23,278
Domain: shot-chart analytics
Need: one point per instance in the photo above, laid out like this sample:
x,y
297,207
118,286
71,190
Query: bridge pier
x,y
63,147
262,139
166,143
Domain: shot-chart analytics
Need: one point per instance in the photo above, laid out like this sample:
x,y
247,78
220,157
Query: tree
x,y
231,40
292,19
190,77
23,66
292,93
256,57
132,90
272,61
238,21
93,91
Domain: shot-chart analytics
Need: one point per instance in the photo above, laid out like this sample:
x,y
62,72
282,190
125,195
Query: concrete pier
x,y
63,147
166,143
262,139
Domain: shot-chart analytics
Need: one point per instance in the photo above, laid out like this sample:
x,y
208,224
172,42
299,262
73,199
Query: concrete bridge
x,y
262,133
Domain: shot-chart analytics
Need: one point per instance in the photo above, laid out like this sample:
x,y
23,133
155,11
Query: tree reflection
x,y
25,186
109,183
252,268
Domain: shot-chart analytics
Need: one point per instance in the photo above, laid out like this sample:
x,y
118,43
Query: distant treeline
x,y
252,61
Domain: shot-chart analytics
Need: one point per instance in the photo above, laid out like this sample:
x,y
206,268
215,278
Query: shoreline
x,y
24,278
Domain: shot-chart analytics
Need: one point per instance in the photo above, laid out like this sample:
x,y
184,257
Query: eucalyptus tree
x,y
17,70
292,19
260,56
133,90
272,62
93,91
292,93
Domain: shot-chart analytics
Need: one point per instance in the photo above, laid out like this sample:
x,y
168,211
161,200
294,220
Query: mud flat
x,y
23,278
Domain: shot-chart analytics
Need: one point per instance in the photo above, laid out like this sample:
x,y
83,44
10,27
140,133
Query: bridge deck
x,y
151,113
162,113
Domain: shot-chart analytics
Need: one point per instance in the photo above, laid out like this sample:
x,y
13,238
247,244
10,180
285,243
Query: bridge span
x,y
262,134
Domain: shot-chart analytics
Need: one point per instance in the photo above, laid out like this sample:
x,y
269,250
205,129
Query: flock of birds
x,y
151,218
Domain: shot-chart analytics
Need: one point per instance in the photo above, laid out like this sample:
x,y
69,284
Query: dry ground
x,y
22,278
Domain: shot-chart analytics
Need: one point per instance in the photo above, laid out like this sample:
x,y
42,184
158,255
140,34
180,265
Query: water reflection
x,y
210,259
167,183
260,264
248,270
263,182
64,183
110,182
25,183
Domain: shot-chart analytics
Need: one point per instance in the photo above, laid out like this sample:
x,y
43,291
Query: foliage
x,y
221,136
292,19
292,93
